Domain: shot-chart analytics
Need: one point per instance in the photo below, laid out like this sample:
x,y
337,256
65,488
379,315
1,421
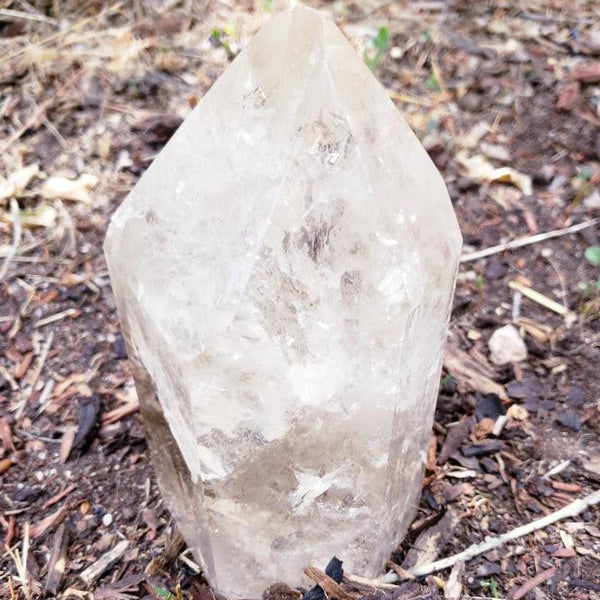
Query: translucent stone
x,y
284,274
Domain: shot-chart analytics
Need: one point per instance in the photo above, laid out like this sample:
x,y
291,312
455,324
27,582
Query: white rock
x,y
286,353
507,346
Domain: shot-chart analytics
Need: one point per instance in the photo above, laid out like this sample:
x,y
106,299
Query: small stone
x,y
592,201
506,346
107,519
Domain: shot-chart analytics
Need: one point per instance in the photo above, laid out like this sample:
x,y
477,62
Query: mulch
x,y
506,100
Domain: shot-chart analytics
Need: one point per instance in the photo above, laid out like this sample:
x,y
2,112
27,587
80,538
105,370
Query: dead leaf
x,y
42,216
62,188
478,167
517,412
16,183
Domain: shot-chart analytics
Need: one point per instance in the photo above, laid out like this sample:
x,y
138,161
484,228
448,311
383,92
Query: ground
x,y
90,92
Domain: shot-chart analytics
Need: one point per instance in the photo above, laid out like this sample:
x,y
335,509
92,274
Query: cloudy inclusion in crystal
x,y
284,273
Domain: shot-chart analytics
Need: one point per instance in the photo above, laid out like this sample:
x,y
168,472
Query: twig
x,y
58,560
534,582
37,114
69,312
532,16
55,36
105,562
7,14
526,241
540,299
12,251
369,583
331,587
571,510
36,374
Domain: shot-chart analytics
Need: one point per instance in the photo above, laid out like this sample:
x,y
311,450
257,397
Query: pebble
x,y
107,520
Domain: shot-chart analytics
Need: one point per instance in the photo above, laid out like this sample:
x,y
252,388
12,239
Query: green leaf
x,y
163,593
229,29
380,44
592,254
382,40
432,83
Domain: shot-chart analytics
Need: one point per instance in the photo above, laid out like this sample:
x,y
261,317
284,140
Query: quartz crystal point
x,y
284,273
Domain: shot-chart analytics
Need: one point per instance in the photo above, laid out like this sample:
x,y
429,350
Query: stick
x,y
331,587
6,14
105,562
539,298
571,510
526,241
58,561
12,251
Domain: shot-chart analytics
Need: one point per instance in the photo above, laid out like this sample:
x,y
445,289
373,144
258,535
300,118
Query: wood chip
x,y
58,497
58,561
121,412
430,542
329,585
589,73
66,443
5,464
46,524
403,574
453,588
566,487
6,435
106,561
534,582
564,553
470,372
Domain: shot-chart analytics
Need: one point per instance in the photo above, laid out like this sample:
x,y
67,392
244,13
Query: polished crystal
x,y
284,274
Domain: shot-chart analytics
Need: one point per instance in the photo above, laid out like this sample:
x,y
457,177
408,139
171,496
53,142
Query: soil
x,y
97,88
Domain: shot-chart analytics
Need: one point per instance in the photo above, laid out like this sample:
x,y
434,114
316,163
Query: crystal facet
x,y
284,274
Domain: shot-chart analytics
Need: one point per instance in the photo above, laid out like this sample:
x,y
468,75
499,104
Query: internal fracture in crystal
x,y
284,274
